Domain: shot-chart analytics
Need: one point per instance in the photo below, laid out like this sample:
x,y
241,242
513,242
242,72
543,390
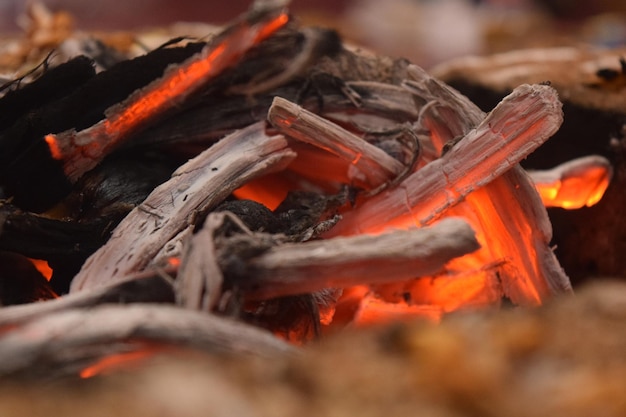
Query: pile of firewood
x,y
132,182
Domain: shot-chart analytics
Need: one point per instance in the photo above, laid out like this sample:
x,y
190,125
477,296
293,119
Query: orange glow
x,y
374,311
272,27
119,361
175,85
269,190
347,306
43,267
323,167
585,188
53,146
451,293
174,262
188,76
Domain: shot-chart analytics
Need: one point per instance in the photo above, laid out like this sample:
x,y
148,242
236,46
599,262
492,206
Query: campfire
x,y
259,190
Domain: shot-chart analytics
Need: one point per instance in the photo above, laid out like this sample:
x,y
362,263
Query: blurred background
x,y
424,31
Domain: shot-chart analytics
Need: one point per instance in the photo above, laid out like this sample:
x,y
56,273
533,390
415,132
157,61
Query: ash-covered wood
x,y
34,349
195,188
370,164
152,286
303,268
517,126
590,241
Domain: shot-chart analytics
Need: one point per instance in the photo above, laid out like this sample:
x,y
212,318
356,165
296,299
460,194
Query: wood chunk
x,y
574,184
199,279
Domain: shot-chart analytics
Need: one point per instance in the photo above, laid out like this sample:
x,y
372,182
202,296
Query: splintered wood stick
x,y
302,268
517,126
510,220
194,188
574,184
81,151
91,334
368,163
199,279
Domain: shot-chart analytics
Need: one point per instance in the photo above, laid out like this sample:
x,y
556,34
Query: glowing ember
x,y
81,151
375,311
269,190
574,184
43,267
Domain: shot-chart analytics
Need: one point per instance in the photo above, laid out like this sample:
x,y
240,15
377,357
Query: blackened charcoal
x,y
53,84
255,216
51,239
302,210
294,318
86,105
119,184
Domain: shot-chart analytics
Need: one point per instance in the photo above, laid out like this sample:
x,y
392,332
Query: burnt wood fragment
x,y
42,237
24,155
52,85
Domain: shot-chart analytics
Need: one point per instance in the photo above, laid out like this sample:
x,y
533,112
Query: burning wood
x,y
195,188
370,164
343,262
574,184
517,126
382,125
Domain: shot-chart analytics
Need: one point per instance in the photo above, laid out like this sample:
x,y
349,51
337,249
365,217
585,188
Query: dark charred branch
x,y
52,85
41,237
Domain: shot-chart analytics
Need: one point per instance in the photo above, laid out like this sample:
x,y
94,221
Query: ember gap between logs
x,y
271,178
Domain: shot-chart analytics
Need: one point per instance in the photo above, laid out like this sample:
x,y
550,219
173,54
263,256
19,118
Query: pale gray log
x,y
150,286
68,341
302,268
